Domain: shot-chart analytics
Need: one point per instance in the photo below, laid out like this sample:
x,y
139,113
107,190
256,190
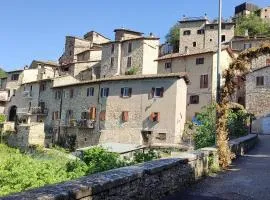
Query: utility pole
x,y
219,52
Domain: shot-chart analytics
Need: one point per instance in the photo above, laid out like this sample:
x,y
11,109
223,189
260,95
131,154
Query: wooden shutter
x,y
206,81
162,92
158,117
152,116
153,92
92,113
102,115
122,92
129,92
101,92
125,116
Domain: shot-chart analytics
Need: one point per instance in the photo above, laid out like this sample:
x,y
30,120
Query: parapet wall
x,y
150,180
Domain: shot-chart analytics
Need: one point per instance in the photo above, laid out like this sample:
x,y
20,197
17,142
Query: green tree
x,y
254,24
2,73
206,131
173,37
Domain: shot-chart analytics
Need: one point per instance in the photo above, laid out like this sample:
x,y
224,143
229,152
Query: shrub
x,y
140,156
205,133
132,71
237,120
99,159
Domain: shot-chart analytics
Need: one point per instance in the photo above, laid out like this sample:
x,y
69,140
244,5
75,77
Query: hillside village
x,y
131,89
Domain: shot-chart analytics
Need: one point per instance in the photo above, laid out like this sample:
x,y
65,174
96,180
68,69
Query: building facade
x,y
202,34
201,68
130,53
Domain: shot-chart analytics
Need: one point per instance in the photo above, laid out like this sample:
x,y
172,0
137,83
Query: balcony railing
x,y
33,111
4,96
81,123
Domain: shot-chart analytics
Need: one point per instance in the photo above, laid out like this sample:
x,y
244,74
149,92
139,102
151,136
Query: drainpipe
x,y
100,105
60,113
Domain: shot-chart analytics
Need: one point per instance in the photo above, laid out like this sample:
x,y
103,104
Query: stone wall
x,y
151,180
257,97
27,135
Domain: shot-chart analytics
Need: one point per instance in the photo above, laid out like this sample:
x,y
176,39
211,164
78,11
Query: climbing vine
x,y
239,67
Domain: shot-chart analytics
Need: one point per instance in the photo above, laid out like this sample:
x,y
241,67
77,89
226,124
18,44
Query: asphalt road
x,y
247,179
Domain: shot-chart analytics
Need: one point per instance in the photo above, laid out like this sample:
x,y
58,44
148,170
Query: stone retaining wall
x,y
150,180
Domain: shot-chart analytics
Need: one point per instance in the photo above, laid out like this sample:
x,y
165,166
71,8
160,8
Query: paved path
x,y
247,179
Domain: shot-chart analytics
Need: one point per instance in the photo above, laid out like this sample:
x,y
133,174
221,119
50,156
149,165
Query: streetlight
x,y
219,52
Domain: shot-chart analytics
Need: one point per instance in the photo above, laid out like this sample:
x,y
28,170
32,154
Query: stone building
x,y
123,109
131,52
201,67
241,43
9,85
200,33
81,54
245,9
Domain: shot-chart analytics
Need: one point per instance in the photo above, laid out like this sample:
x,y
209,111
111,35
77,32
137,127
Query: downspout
x,y
60,114
100,105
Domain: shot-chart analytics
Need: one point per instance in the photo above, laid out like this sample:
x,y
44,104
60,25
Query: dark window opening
x,y
259,80
194,99
199,61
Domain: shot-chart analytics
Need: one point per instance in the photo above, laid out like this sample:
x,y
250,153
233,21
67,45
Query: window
x,y
161,136
155,117
194,44
194,99
259,81
187,32
129,47
112,48
104,92
168,66
125,116
129,62
204,81
223,26
126,92
102,115
212,27
57,94
223,38
42,86
200,32
15,77
14,92
90,92
157,92
247,45
267,61
55,115
199,61
112,61
84,115
71,93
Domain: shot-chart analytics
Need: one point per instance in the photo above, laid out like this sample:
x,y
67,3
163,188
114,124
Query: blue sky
x,y
36,29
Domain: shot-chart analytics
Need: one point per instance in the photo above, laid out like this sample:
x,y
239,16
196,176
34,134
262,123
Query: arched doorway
x,y
12,113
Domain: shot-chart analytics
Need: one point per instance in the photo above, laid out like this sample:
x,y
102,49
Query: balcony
x,y
32,111
27,94
82,123
4,96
